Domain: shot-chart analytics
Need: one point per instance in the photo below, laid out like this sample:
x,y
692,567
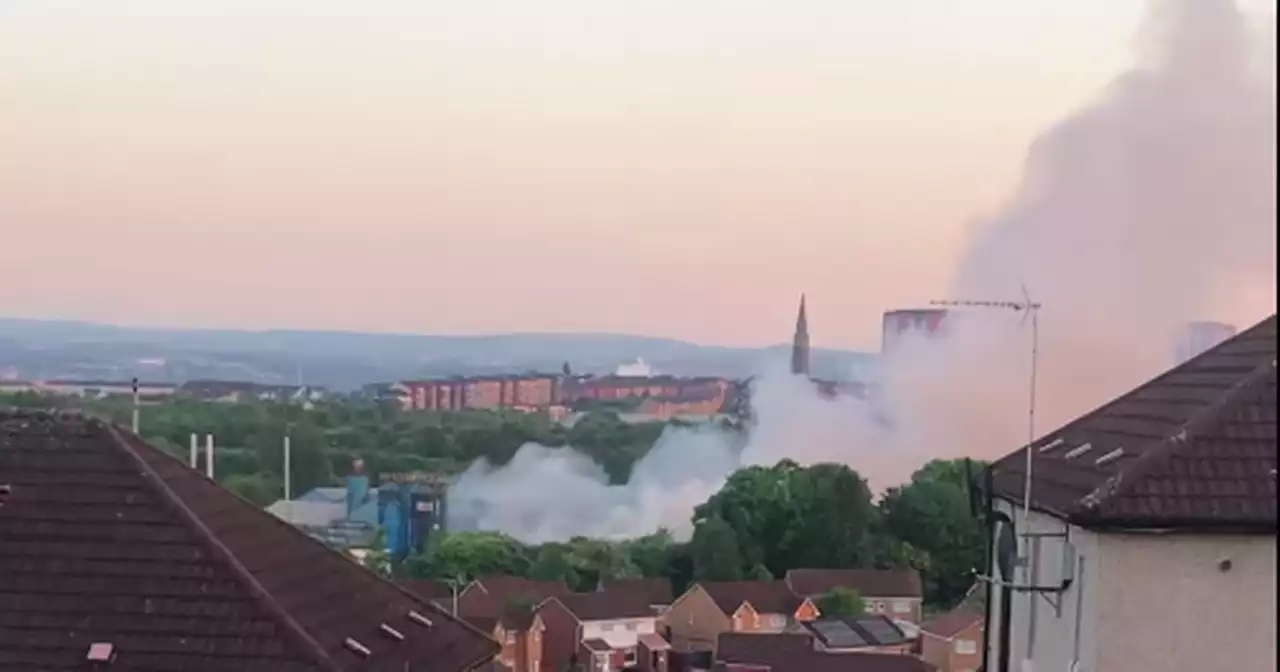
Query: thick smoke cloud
x,y
1152,207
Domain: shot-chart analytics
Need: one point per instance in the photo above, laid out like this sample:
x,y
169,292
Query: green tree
x,y
715,551
552,562
651,553
934,530
377,558
260,489
841,602
465,556
787,516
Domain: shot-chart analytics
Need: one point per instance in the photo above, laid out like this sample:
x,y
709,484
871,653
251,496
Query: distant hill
x,y
346,360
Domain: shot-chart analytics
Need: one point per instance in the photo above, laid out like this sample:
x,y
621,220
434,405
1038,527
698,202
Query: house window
x,y
631,627
966,647
901,607
607,627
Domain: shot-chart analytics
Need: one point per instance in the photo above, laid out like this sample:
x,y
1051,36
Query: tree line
x,y
327,437
762,523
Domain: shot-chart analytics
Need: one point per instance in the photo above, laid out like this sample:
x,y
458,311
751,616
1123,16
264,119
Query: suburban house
x,y
1148,541
952,642
519,631
697,618
604,622
745,652
897,593
867,634
118,556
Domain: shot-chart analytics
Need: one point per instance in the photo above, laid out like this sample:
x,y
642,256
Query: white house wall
x,y
1057,642
621,633
1166,605
1145,602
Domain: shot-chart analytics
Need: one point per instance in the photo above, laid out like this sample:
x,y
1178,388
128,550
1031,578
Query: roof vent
x,y
101,652
1052,444
357,647
1078,451
391,632
420,619
1109,457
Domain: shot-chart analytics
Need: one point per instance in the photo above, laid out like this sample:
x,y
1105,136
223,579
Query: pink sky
x,y
669,168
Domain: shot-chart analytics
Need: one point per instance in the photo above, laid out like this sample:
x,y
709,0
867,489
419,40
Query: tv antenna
x,y
1029,309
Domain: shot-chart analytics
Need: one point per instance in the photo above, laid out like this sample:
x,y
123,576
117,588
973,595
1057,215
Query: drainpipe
x,y
988,556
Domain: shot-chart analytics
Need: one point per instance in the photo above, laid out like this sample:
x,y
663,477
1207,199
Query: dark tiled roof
x,y
503,587
766,597
656,590
796,653
867,582
107,539
952,623
428,589
1193,448
606,604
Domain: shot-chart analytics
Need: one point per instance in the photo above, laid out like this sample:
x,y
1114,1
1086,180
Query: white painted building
x,y
1150,543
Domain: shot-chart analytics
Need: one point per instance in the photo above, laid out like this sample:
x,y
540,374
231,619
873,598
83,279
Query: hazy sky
x,y
670,167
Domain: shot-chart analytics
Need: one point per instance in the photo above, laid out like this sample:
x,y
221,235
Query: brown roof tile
x,y
107,539
766,597
606,605
656,590
952,623
504,587
867,582
1195,447
796,653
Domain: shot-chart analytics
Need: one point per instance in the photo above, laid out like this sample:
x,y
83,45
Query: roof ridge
x,y
192,522
1171,445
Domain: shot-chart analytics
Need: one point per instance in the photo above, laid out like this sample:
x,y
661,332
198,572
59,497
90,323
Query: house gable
x,y
694,621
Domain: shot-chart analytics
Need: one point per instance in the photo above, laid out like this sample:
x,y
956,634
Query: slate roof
x,y
105,539
766,597
607,605
656,590
1193,448
867,582
796,653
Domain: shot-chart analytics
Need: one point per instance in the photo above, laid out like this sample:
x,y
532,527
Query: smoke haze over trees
x,y
1152,207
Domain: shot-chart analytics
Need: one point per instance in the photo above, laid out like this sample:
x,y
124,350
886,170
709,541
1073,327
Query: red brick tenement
x,y
455,394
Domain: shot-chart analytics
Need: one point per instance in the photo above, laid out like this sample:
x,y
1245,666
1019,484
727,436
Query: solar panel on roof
x,y
838,635
883,631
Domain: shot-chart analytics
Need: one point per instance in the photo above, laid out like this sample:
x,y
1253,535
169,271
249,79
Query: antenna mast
x,y
1028,308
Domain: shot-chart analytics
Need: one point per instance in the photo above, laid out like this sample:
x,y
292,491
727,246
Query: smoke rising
x,y
1154,206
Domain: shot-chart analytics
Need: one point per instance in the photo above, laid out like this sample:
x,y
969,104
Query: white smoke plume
x,y
1152,207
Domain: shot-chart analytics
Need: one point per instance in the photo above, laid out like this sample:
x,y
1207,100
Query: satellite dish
x,y
1006,549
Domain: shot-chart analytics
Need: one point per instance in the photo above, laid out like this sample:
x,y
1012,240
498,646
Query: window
x,y
966,647
875,607
901,607
631,627
607,627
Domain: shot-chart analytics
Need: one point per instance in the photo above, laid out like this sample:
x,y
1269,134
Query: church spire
x,y
800,345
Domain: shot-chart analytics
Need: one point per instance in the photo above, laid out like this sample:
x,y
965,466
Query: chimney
x,y
208,456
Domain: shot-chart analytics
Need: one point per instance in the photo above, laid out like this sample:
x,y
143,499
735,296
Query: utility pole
x,y
1028,308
